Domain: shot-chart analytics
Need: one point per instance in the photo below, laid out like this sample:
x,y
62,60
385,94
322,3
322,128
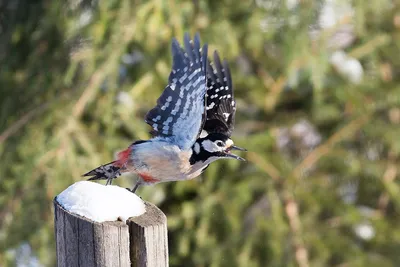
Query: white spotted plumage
x,y
181,148
180,109
220,103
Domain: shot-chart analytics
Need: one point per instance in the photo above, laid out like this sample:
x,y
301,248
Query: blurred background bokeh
x,y
318,102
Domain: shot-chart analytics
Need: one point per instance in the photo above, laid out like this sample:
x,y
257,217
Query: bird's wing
x,y
220,101
180,108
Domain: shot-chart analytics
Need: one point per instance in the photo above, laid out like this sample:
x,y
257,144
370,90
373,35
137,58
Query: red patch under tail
x,y
113,169
123,157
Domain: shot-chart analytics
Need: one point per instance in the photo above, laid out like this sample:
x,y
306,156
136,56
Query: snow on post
x,y
97,225
100,203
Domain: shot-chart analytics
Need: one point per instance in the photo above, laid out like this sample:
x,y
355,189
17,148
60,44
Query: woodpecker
x,y
192,123
220,119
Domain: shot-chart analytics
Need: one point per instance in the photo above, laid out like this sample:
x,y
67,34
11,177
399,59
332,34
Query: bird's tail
x,y
107,172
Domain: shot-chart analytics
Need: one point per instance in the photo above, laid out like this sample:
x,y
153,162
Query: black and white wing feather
x,y
180,109
220,102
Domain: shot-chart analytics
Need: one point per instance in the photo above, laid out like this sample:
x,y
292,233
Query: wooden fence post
x,y
140,242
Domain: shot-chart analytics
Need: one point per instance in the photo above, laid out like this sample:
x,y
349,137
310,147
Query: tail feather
x,y
104,172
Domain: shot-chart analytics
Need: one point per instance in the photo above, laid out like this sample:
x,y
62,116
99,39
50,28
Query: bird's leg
x,y
109,181
138,183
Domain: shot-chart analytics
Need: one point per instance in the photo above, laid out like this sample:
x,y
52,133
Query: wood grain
x,y
148,236
141,242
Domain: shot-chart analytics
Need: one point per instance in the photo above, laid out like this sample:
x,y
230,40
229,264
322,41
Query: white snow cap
x,y
100,203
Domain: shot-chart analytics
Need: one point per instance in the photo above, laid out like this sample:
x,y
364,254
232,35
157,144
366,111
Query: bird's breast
x,y
160,162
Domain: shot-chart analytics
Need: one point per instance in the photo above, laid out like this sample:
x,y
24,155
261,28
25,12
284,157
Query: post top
x,y
100,203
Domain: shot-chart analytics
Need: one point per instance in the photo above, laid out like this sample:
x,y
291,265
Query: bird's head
x,y
215,146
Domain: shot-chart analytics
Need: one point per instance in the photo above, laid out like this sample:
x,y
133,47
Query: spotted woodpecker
x,y
192,123
214,141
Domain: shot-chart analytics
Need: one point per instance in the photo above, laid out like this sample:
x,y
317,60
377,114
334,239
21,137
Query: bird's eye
x,y
220,143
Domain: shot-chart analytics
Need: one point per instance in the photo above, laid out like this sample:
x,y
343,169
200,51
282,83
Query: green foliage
x,y
69,101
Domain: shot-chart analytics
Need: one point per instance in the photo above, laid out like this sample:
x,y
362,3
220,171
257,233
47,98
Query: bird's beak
x,y
238,148
230,155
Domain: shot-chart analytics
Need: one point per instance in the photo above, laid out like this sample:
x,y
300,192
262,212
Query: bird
x,y
220,115
191,123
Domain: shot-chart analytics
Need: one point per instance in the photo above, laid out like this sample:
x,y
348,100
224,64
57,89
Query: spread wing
x,y
220,102
180,108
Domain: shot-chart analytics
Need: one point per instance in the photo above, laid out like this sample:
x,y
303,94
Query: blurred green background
x,y
318,97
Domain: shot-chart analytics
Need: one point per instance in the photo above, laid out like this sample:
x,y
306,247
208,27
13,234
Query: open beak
x,y
237,148
228,154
